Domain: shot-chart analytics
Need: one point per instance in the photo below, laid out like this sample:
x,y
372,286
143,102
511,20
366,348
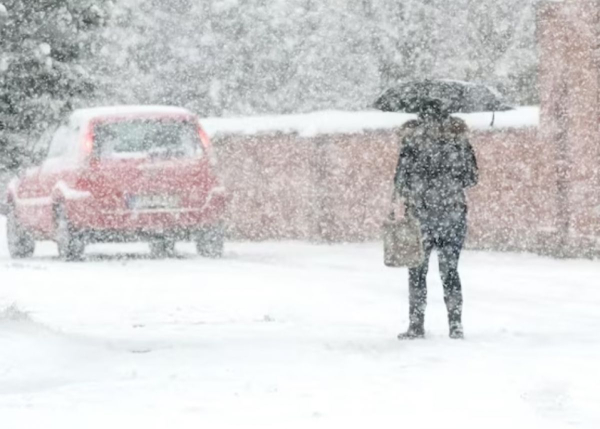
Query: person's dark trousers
x,y
447,239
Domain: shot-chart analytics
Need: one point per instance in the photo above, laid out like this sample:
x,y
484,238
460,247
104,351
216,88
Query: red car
x,y
117,174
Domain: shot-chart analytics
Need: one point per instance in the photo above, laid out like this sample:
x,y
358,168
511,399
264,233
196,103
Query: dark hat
x,y
432,108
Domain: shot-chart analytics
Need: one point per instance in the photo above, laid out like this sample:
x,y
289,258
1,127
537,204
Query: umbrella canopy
x,y
455,97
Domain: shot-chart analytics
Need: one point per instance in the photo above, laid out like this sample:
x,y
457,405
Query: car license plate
x,y
149,202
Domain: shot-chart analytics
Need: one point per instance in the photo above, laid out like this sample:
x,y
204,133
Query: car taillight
x,y
88,142
206,145
203,137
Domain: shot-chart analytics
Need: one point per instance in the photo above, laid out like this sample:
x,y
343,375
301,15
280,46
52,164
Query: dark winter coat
x,y
436,165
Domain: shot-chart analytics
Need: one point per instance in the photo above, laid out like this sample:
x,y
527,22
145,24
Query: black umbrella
x,y
455,97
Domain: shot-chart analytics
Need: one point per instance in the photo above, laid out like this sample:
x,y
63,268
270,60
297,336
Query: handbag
x,y
402,240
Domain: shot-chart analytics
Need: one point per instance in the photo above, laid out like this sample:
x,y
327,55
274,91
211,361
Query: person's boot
x,y
414,332
417,305
454,304
416,326
455,323
456,331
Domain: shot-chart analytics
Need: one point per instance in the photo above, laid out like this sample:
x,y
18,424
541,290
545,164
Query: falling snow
x,y
194,196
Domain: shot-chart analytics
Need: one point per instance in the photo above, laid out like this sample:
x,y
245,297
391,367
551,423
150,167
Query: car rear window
x,y
139,138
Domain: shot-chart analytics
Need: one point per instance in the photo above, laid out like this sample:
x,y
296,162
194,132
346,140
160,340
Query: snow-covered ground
x,y
292,335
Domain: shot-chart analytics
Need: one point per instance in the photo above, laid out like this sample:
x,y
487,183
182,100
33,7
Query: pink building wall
x,y
338,188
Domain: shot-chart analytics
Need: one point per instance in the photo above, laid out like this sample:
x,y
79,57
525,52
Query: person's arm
x,y
471,170
402,178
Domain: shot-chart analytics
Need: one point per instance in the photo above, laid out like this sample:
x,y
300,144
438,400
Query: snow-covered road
x,y
292,335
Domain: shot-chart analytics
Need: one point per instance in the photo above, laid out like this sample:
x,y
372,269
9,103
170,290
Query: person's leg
x,y
448,254
417,280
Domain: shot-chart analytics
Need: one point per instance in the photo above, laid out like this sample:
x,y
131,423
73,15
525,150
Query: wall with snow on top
x,y
327,176
340,122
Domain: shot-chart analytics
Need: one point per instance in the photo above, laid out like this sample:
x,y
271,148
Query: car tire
x,y
210,242
162,248
71,246
20,243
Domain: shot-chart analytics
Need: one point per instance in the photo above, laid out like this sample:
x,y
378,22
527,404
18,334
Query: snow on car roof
x,y
85,115
340,122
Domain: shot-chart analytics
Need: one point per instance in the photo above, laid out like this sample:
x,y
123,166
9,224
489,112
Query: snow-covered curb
x,y
340,122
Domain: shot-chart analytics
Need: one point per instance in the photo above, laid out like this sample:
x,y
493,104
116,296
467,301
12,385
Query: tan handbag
x,y
402,241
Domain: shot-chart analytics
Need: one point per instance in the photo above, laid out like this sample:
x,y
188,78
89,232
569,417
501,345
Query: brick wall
x,y
338,187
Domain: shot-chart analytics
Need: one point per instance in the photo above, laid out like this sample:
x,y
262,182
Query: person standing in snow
x,y
436,165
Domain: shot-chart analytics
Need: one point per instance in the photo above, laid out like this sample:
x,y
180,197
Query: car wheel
x,y
20,243
162,248
70,245
210,242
